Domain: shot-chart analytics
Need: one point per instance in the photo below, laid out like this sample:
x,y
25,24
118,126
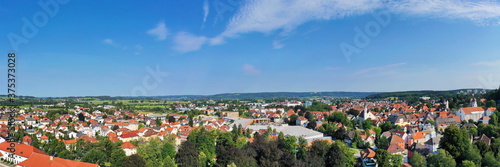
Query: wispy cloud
x,y
277,44
284,16
185,42
250,70
160,31
111,42
367,70
206,11
488,63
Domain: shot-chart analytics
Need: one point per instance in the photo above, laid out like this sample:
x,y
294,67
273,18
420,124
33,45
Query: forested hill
x,y
266,95
427,93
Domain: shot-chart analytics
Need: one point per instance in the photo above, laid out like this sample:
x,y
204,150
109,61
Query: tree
x,y
340,155
134,161
168,150
95,156
117,157
317,153
353,112
489,160
169,162
383,157
151,152
171,119
454,140
187,155
293,119
367,123
301,150
204,141
441,159
382,142
491,103
311,124
81,117
417,160
471,154
468,164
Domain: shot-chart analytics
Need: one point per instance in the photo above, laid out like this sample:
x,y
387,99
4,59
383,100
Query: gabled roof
x,y
128,145
368,153
22,150
37,159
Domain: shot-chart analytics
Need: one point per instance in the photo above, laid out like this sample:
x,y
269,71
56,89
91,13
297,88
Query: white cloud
x,y
363,71
284,16
206,10
185,42
488,63
108,41
277,44
160,31
250,70
111,42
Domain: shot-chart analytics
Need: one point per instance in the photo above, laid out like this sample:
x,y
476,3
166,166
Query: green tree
x,y
134,161
441,159
81,117
117,157
187,156
169,162
383,157
151,152
468,164
417,160
454,140
340,155
471,154
204,141
292,120
382,142
95,156
489,160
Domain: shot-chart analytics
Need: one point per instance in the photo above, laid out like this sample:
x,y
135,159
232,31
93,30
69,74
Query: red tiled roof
x,y
22,150
368,153
128,145
37,159
469,110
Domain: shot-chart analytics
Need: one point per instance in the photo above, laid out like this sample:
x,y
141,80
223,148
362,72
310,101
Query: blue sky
x,y
226,46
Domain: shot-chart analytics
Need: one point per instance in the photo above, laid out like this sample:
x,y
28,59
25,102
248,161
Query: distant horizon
x,y
255,92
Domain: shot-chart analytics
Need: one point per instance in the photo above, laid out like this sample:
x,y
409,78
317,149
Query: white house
x,y
474,113
129,148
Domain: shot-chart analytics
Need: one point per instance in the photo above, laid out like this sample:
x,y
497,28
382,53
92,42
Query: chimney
x,y
51,158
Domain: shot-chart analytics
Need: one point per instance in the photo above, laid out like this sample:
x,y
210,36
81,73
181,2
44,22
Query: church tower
x,y
473,102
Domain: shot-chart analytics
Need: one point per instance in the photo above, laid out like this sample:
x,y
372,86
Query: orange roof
x,y
368,153
128,145
22,150
469,110
417,135
44,137
69,141
36,159
396,139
